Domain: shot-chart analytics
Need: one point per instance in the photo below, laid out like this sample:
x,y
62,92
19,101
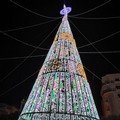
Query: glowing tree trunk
x,y
61,90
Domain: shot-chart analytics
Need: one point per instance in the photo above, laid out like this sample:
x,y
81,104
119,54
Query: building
x,y
8,112
110,93
7,109
61,90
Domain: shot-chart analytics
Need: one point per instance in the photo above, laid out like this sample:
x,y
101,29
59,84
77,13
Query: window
x,y
107,82
118,87
117,79
112,81
119,95
108,108
106,100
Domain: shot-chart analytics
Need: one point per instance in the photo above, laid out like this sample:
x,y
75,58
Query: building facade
x,y
110,93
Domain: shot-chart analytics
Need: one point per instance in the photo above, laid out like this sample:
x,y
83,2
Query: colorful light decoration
x,y
61,90
65,10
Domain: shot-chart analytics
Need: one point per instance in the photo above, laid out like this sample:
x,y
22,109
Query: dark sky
x,y
97,65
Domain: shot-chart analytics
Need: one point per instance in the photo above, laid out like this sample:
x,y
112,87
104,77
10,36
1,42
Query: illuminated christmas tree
x,y
61,90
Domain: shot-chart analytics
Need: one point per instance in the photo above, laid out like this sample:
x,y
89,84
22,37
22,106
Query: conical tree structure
x,y
61,90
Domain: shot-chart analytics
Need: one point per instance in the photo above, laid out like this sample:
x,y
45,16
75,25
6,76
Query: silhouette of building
x,y
61,90
8,112
7,109
110,93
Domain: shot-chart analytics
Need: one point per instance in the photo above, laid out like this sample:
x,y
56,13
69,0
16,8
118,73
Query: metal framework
x,y
61,90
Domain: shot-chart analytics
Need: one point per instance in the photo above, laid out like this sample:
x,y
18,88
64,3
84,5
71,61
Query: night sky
x,y
14,71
